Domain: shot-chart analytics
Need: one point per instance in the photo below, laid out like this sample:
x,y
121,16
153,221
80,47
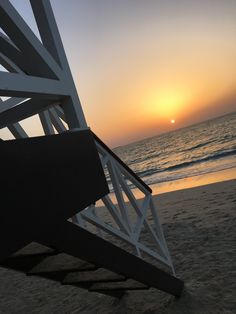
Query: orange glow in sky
x,y
166,103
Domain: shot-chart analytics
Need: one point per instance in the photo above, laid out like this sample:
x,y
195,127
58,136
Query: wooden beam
x,y
19,85
22,36
23,111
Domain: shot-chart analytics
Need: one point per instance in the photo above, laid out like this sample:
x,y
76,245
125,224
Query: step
x,y
55,276
58,266
99,275
62,262
34,249
28,257
129,284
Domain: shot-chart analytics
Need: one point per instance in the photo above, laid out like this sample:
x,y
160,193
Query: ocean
x,y
199,149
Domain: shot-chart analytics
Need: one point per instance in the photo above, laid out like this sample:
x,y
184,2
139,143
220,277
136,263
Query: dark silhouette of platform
x,y
46,180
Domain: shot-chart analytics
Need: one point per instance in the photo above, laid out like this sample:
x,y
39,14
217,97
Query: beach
x,y
199,226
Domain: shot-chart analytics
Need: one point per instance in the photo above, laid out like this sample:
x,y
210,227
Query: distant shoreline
x,y
185,183
190,182
194,181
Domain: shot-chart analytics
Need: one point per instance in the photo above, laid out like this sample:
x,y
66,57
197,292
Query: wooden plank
x,y
34,249
99,275
62,262
18,59
23,111
122,285
130,171
22,36
20,85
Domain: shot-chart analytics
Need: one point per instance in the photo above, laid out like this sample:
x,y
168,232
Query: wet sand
x,y
199,225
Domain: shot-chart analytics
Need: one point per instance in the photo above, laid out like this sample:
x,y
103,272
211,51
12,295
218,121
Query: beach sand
x,y
199,225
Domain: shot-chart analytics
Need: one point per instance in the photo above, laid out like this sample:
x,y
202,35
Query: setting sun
x,y
166,103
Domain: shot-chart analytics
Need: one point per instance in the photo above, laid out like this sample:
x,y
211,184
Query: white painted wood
x,y
18,85
115,214
52,41
17,130
19,32
46,122
8,64
139,224
56,121
118,193
109,229
9,103
24,110
128,193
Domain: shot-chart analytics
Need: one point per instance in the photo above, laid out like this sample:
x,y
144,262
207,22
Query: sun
x,y
167,104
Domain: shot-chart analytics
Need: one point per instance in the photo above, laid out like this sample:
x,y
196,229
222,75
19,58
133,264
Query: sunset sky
x,y
139,64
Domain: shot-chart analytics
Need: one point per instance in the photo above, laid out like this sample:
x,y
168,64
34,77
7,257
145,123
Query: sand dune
x,y
199,225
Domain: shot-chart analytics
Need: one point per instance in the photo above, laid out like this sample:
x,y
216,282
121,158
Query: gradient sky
x,y
138,64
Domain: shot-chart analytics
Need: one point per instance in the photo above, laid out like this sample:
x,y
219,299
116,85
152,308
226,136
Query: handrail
x,y
121,162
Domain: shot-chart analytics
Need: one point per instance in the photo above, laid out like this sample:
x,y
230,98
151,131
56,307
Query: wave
x,y
215,156
198,146
184,175
154,170
147,173
142,159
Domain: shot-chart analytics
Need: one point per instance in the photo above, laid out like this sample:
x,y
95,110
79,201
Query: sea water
x,y
199,149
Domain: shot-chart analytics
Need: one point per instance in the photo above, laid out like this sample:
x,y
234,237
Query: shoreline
x,y
190,182
181,184
194,181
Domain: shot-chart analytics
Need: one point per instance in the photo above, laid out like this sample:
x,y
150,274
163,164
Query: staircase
x,y
89,262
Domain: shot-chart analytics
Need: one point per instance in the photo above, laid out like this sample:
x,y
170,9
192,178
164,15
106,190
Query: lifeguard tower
x,y
68,211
